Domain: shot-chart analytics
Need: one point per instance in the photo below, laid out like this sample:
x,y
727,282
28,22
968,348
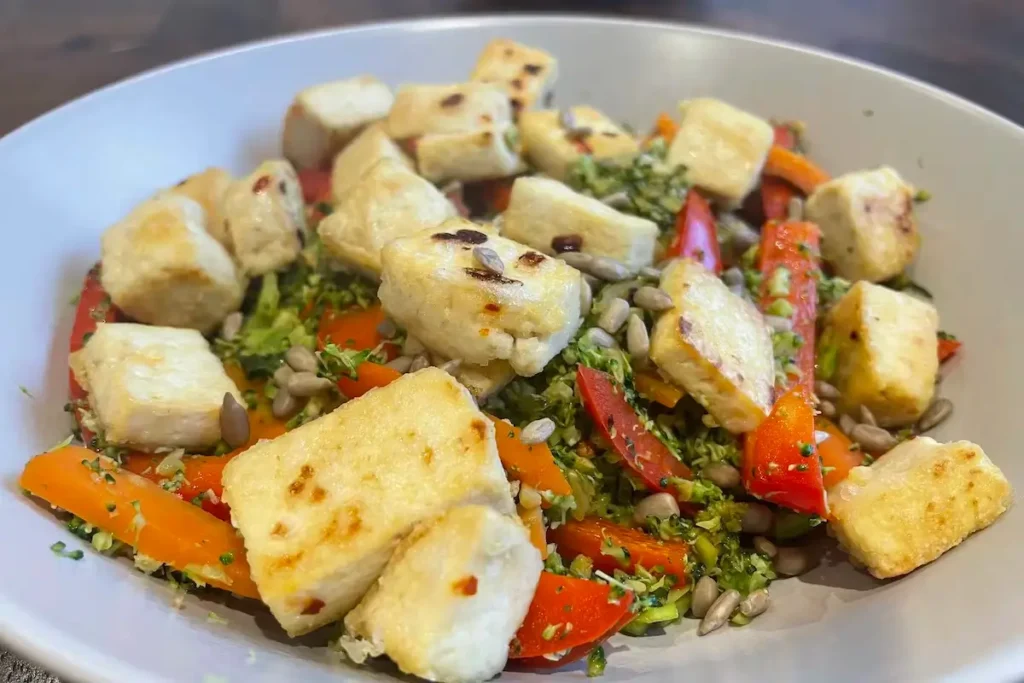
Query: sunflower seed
x,y
719,612
387,328
757,519
795,209
755,604
650,272
576,259
586,297
765,547
284,405
419,362
231,326
616,200
451,367
873,439
733,277
567,119
722,474
704,595
282,374
778,323
866,416
599,338
638,342
608,269
301,359
234,421
660,505
614,315
489,259
537,431
305,384
847,424
823,389
936,414
820,437
828,409
793,561
401,364
412,347
738,233
594,282
652,299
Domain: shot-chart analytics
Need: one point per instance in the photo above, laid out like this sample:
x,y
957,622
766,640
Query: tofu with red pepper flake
x,y
885,352
551,217
452,597
553,149
208,188
716,346
482,154
868,226
326,117
362,154
153,387
389,201
434,286
526,73
914,503
161,266
457,108
266,218
723,148
323,507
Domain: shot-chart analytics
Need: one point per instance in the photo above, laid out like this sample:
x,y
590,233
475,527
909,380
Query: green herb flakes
x,y
59,549
596,662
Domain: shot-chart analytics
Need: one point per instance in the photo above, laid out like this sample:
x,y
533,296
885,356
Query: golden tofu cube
x,y
551,149
525,73
362,154
457,108
482,154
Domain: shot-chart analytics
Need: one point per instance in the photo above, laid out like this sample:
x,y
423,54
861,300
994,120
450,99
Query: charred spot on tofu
x,y
487,276
563,243
453,100
531,258
260,184
299,484
466,585
314,606
533,69
463,235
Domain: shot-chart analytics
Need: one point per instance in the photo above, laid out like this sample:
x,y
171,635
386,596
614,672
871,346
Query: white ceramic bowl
x,y
68,175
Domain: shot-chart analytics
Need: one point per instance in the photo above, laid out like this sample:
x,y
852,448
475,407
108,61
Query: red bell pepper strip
x,y
696,234
618,423
784,136
793,247
775,196
592,609
948,346
780,460
604,542
836,453
316,185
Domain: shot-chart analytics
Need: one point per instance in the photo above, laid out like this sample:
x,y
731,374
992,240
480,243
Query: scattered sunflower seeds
x,y
652,299
867,417
828,409
419,362
387,329
401,364
873,439
704,595
537,431
660,505
616,200
301,359
283,374
599,338
650,272
719,612
638,341
823,389
284,405
231,326
305,384
937,413
614,315
847,424
451,366
489,259
586,297
755,604
793,561
765,547
722,474
757,519
234,421
608,269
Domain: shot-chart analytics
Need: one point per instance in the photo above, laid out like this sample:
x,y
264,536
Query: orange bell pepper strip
x,y
141,514
352,329
780,460
533,520
665,127
368,376
794,168
531,465
592,608
836,455
789,261
601,541
948,346
493,196
653,388
315,184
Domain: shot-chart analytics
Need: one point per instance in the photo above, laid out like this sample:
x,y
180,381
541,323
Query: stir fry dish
x,y
479,383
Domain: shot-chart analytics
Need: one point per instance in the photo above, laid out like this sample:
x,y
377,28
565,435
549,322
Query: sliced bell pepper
x,y
612,547
784,136
775,196
794,168
490,196
355,328
618,423
665,128
780,460
140,513
368,376
653,388
316,185
595,611
789,260
836,453
532,465
948,346
696,233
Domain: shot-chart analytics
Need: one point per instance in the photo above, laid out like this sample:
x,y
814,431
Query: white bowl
x,y
69,174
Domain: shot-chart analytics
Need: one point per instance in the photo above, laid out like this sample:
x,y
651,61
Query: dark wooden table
x,y
54,50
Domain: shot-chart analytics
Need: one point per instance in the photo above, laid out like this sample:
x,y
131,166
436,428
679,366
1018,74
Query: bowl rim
x,y
30,637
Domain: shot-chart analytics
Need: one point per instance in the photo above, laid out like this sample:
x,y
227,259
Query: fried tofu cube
x,y
433,285
868,225
326,117
362,154
389,201
886,357
208,188
162,267
457,108
266,217
914,503
526,73
542,210
552,149
322,507
723,148
716,346
153,387
484,381
452,597
482,154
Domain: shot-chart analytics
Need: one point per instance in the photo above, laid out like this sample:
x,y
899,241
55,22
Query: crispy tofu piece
x,y
868,225
551,150
526,73
723,148
541,210
457,108
487,152
153,387
886,356
716,346
161,266
372,145
914,503
266,218
433,286
484,381
326,117
452,597
208,188
389,201
322,508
